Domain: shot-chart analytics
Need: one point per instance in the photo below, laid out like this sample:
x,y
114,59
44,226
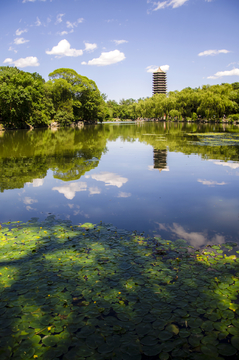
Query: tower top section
x,y
159,70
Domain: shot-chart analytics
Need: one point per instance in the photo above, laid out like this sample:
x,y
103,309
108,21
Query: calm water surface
x,y
173,180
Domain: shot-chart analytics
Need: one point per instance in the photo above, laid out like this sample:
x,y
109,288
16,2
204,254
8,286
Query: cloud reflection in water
x,y
109,178
195,239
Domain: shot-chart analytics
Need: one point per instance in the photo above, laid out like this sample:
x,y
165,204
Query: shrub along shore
x,y
97,292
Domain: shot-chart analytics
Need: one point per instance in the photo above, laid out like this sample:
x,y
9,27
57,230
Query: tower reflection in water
x,y
160,159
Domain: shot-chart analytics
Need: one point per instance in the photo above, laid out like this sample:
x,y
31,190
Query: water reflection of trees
x,y
70,153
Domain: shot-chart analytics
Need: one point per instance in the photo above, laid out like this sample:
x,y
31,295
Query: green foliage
x,y
97,292
234,117
174,114
64,117
87,102
23,99
194,116
211,102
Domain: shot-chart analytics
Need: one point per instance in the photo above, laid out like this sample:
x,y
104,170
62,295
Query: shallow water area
x,y
172,180
95,292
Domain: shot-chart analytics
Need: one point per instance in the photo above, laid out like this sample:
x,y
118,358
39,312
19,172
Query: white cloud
x,y
38,22
232,165
37,182
59,18
20,32
29,208
163,4
153,68
106,58
29,201
233,72
110,179
90,47
64,32
23,62
69,190
196,239
24,1
19,41
210,182
8,61
123,195
12,49
63,48
164,67
160,5
94,190
213,52
233,63
71,25
118,42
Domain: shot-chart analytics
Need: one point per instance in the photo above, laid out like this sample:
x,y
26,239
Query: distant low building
x,y
159,82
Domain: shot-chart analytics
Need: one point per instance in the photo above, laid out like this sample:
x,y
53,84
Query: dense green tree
x,y
212,102
113,108
23,98
87,101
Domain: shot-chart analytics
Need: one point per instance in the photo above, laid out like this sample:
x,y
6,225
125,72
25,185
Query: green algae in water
x,y
215,139
96,292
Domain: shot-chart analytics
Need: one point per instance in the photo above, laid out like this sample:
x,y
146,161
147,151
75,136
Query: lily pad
x,y
226,349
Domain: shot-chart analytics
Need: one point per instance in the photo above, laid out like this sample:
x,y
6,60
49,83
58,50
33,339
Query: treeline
x,y
211,102
26,99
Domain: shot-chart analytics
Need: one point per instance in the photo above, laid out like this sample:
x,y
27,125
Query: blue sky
x,y
119,43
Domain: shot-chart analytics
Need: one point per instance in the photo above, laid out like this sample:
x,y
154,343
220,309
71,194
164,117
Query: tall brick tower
x,y
159,82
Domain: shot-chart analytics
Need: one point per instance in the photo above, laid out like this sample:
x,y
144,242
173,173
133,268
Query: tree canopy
x,y
26,99
211,102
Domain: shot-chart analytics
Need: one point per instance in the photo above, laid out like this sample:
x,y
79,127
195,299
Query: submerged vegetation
x,y
97,292
68,97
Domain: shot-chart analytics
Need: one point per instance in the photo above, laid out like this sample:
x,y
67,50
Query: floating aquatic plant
x,y
98,292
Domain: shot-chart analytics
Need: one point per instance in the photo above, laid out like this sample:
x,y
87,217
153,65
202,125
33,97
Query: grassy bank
x,y
97,292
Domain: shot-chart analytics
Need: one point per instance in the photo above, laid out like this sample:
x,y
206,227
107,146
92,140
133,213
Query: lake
x,y
174,180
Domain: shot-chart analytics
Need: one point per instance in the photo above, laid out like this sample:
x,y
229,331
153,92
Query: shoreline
x,y
80,124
